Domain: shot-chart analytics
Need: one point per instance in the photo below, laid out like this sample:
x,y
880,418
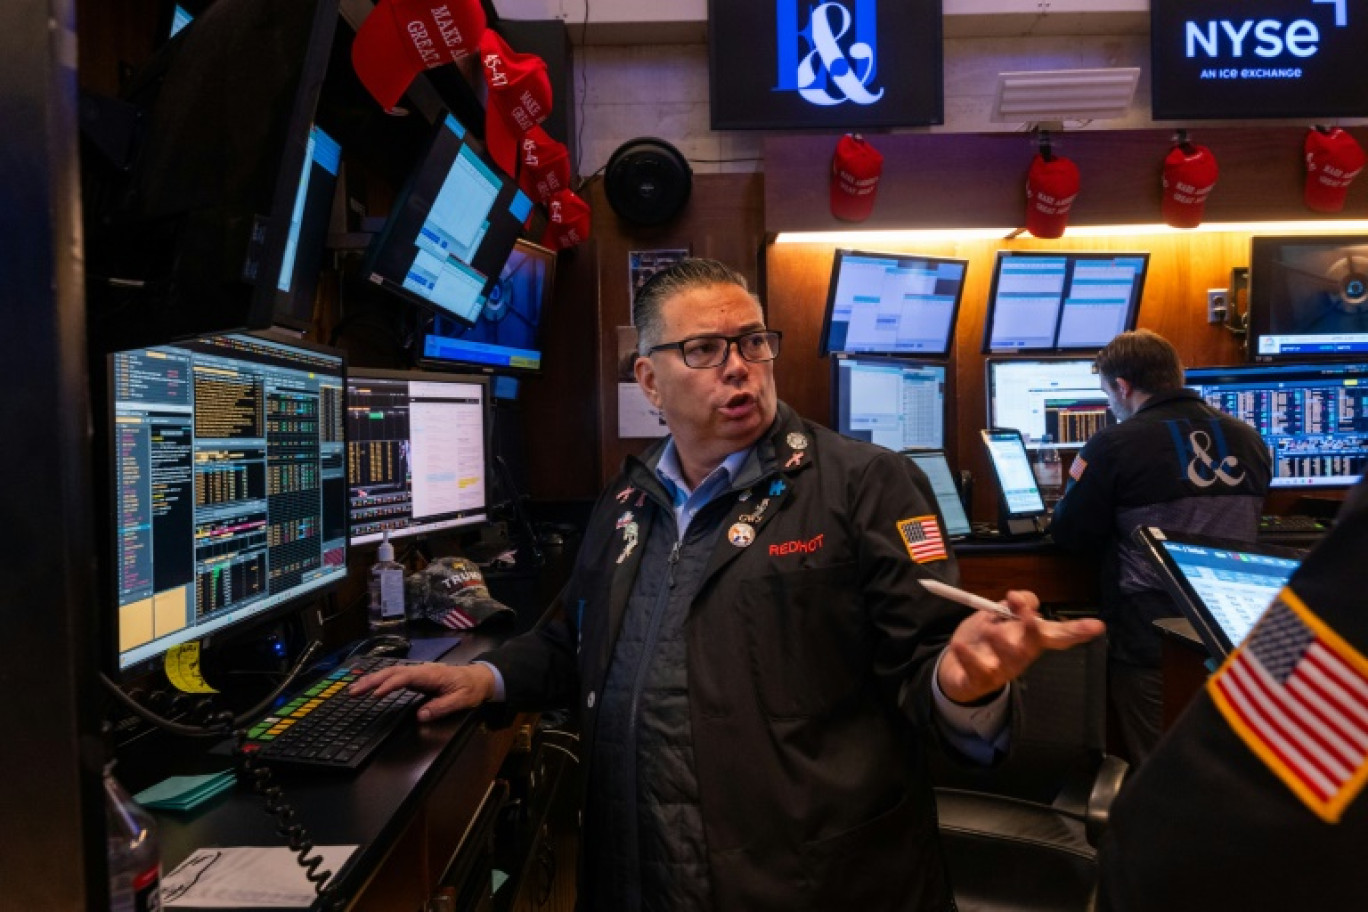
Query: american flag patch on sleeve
x,y
922,536
1076,468
1297,694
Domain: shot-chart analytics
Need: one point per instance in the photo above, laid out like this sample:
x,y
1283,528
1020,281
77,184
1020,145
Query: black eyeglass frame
x,y
726,352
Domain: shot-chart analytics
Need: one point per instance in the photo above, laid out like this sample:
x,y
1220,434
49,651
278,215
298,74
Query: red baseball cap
x,y
1333,160
519,97
568,224
543,165
402,38
1051,186
856,168
1189,177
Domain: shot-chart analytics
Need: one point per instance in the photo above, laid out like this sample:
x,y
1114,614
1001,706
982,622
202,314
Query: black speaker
x,y
647,181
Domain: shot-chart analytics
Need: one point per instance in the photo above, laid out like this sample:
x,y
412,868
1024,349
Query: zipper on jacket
x,y
670,564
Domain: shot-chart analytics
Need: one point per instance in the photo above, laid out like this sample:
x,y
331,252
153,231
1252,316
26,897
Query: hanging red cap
x,y
401,38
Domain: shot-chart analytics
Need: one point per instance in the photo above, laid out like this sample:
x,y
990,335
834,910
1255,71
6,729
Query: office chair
x,y
1023,836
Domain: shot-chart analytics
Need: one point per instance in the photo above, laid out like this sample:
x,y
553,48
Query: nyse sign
x,y
1258,58
824,63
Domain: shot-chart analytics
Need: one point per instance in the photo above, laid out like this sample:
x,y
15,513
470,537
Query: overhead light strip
x,y
858,236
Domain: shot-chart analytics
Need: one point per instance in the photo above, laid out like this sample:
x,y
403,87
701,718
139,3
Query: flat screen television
x,y
191,238
1043,301
1313,417
1308,297
418,452
451,229
895,402
892,304
1059,398
506,336
229,488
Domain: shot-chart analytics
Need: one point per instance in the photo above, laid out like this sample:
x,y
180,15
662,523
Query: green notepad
x,y
182,793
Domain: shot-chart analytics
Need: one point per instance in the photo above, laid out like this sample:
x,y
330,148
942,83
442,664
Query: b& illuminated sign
x,y
1258,58
817,63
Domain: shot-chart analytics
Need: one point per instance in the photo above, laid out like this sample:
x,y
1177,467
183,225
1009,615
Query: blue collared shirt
x,y
685,502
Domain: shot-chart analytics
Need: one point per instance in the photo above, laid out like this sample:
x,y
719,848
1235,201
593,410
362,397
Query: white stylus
x,y
968,599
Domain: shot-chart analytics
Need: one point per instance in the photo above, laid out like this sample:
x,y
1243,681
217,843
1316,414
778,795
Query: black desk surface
x,y
369,808
994,544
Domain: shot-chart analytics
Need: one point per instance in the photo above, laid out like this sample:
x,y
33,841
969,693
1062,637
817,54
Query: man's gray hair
x,y
677,278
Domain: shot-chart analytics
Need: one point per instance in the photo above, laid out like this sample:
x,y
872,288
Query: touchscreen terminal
x,y
1222,587
937,469
1019,502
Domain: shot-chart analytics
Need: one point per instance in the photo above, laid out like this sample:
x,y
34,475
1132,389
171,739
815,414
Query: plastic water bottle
x,y
134,854
386,589
1048,472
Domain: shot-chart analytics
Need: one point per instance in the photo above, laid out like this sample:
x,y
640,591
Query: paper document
x,y
247,878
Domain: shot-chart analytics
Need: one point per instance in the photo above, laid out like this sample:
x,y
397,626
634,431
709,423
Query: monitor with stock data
x,y
892,304
894,402
1311,416
229,488
1055,398
418,452
1043,301
451,230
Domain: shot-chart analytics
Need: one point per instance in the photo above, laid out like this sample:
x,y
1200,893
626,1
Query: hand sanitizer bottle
x,y
386,589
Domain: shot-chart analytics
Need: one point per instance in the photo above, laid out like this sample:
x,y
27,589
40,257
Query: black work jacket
x,y
1215,819
1177,464
810,654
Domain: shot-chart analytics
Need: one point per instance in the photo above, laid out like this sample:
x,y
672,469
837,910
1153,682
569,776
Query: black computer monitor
x,y
1043,301
506,335
452,228
892,304
302,258
189,238
1059,398
229,487
1308,297
895,402
1313,417
1021,509
418,452
937,469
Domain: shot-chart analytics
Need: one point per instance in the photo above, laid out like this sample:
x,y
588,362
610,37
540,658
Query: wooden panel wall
x,y
1181,268
723,220
978,179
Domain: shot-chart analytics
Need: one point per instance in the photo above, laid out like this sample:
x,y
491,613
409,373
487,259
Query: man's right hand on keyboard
x,y
450,687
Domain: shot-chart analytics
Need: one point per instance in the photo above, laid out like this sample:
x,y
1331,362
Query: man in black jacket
x,y
1173,462
757,672
1254,800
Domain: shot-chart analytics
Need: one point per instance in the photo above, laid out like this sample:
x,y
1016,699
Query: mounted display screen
x,y
855,63
892,304
1062,300
1308,297
451,232
1257,58
1312,417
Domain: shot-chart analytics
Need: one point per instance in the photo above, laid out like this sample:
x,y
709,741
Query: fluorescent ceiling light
x,y
1327,226
1059,95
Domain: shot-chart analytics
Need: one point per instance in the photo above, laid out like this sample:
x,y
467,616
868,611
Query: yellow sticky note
x,y
183,669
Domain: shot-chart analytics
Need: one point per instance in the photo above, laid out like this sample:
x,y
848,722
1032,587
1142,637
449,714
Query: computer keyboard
x,y
322,726
1292,525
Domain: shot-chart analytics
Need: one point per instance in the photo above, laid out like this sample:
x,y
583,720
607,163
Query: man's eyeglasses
x,y
710,351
